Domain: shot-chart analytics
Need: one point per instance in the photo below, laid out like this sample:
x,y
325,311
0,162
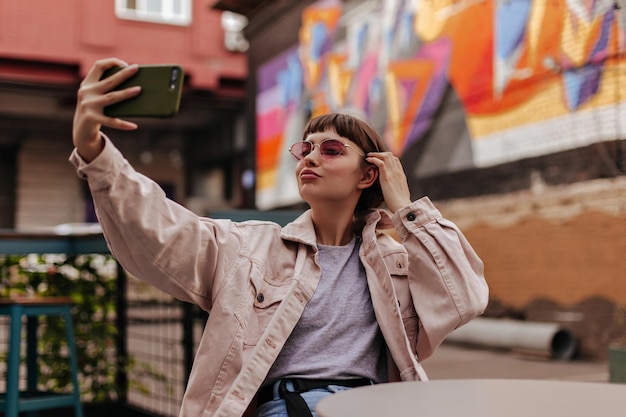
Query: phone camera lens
x,y
173,78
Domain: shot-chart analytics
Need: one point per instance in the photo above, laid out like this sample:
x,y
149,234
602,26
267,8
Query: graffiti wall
x,y
477,82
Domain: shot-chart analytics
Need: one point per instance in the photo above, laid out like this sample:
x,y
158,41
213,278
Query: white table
x,y
478,398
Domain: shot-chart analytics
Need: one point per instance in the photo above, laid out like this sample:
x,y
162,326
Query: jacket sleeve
x,y
154,238
446,276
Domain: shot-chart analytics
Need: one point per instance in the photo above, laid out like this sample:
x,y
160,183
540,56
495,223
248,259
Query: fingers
x,y
97,92
383,160
93,95
102,86
381,155
90,110
109,82
91,100
393,180
96,71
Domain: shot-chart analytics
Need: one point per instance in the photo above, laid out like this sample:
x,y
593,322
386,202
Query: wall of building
x,y
77,33
7,186
452,87
554,253
47,190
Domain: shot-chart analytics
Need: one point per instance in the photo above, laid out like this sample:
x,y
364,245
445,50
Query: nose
x,y
312,157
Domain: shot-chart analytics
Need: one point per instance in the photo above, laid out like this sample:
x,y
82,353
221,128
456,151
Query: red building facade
x,y
65,37
46,48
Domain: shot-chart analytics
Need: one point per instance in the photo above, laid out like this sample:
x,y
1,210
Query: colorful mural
x,y
515,78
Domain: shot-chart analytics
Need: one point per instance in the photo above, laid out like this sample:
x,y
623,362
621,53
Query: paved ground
x,y
453,361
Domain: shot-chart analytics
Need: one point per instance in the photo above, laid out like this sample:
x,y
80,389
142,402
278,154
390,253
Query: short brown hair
x,y
363,134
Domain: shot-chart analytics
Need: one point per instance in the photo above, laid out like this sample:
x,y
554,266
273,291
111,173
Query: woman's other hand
x,y
392,179
93,96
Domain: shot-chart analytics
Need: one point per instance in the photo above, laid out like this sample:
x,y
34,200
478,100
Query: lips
x,y
307,174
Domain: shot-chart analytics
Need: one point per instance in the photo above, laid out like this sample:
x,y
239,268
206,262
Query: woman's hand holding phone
x,y
161,90
93,96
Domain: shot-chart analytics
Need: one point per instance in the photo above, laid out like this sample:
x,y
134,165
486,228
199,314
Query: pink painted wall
x,y
78,32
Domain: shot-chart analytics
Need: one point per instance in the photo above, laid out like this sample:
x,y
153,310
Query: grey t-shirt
x,y
337,336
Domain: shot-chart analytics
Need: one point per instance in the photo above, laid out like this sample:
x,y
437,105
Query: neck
x,y
333,225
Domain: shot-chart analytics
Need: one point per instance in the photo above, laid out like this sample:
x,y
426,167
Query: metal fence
x,y
161,339
155,340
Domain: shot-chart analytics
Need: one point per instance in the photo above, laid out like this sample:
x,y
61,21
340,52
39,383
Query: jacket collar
x,y
302,230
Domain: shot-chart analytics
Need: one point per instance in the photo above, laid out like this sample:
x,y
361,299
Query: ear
x,y
368,177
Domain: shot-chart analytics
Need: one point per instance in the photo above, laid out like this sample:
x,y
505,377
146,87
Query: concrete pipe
x,y
547,338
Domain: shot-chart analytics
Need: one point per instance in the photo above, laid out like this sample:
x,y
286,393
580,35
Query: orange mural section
x,y
318,23
521,71
408,79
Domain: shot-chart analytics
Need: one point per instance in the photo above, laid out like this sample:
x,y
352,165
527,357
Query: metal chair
x,y
14,401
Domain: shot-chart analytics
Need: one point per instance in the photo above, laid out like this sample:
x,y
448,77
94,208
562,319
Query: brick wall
x,y
554,253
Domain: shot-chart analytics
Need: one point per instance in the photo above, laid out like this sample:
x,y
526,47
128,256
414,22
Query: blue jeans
x,y
278,408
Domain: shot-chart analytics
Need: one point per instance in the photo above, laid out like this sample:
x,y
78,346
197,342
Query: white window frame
x,y
166,15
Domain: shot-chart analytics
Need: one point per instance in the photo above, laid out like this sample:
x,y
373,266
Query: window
x,y
233,25
174,12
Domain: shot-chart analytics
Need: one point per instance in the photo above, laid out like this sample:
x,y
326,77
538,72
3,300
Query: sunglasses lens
x,y
331,148
300,149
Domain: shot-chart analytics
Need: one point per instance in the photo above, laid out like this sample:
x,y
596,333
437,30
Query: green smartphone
x,y
161,89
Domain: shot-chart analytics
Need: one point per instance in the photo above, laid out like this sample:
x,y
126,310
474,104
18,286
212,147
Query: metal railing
x,y
157,336
153,346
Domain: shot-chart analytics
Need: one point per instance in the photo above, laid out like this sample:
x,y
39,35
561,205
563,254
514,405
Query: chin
x,y
306,195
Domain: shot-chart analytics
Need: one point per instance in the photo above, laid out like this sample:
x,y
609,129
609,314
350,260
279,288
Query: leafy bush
x,y
90,280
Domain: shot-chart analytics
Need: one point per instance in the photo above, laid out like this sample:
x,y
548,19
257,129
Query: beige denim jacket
x,y
255,278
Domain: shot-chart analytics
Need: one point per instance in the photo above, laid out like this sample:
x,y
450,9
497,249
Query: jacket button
x,y
260,298
411,216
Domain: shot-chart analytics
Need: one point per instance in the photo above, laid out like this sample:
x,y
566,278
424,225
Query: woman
x,y
329,302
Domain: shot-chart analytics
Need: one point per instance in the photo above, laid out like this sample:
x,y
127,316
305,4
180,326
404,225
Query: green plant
x,y
142,370
90,280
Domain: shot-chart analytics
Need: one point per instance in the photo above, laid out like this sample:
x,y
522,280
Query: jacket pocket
x,y
255,314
